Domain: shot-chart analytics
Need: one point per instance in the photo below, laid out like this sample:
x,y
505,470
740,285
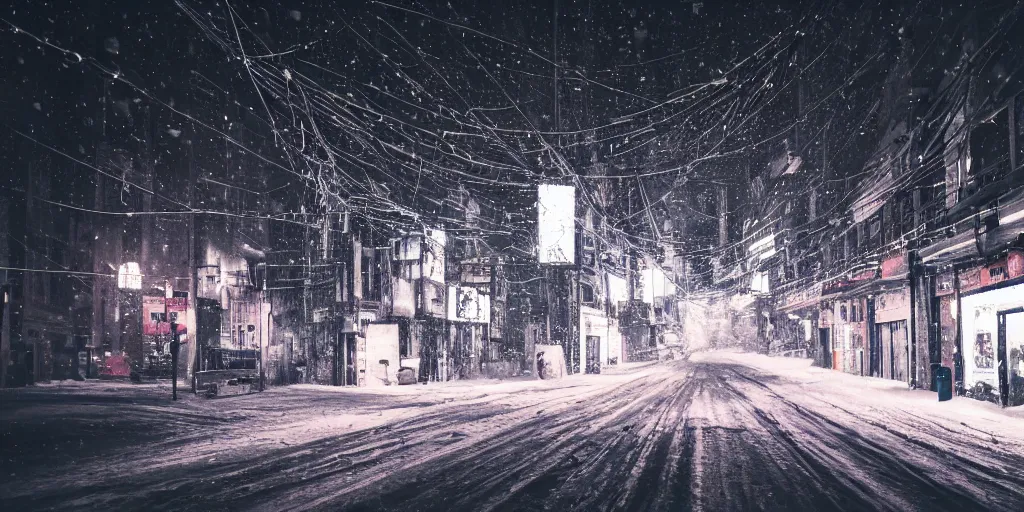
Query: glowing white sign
x,y
129,276
654,284
466,304
433,255
556,224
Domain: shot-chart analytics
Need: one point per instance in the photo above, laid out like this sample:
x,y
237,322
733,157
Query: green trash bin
x,y
944,383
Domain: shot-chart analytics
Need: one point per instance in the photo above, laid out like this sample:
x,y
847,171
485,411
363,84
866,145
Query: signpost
x,y
175,346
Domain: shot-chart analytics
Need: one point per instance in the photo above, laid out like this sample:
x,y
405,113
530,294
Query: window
x,y
586,293
875,231
365,272
990,151
842,312
588,243
404,339
373,271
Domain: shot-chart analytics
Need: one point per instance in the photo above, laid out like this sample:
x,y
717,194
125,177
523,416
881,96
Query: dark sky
x,y
391,105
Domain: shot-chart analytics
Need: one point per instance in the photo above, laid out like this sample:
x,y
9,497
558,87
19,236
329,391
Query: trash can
x,y
944,383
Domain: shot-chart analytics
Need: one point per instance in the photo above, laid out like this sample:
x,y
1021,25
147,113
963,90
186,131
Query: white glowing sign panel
x,y
556,224
129,276
468,305
433,255
654,284
618,289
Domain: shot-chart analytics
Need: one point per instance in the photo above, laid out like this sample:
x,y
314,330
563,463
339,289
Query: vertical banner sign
x,y
155,313
155,321
556,224
466,304
433,249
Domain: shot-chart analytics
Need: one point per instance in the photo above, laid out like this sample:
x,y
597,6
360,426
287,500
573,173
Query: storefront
x,y
600,339
850,332
992,324
798,323
943,322
849,322
890,348
824,335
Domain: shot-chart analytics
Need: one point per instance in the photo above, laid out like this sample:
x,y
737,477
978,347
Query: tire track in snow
x,y
902,476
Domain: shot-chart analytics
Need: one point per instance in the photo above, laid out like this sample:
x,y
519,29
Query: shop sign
x,y
895,266
1004,269
156,310
865,275
994,273
970,279
835,286
892,306
944,284
1015,264
804,295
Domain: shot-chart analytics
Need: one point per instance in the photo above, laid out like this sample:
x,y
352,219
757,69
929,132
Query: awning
x,y
1011,224
950,250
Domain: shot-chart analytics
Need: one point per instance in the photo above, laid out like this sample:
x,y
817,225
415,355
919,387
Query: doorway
x,y
874,353
593,354
1010,356
345,360
893,348
824,347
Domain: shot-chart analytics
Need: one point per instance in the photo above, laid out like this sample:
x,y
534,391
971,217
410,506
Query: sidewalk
x,y
842,388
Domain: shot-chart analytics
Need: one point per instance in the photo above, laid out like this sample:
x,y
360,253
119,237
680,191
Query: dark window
x,y
842,312
367,274
588,242
404,339
875,231
587,293
990,152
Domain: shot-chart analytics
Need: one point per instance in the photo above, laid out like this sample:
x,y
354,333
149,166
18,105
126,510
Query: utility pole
x,y
912,323
193,285
175,346
554,44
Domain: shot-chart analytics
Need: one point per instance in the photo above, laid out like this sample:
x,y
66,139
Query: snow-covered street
x,y
721,431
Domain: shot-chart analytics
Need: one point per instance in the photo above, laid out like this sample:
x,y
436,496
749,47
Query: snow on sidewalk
x,y
877,397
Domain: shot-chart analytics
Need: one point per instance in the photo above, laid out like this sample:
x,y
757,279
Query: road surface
x,y
720,431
